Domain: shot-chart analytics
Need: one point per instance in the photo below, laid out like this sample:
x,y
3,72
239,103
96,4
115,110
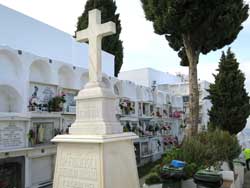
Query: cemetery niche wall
x,y
27,116
12,135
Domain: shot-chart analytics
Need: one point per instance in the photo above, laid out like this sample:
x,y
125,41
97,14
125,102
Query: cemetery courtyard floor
x,y
247,180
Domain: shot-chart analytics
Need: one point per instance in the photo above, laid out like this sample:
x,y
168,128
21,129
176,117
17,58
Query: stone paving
x,y
142,181
247,180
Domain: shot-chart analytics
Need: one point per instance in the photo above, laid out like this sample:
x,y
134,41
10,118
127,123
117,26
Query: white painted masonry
x,y
147,76
21,32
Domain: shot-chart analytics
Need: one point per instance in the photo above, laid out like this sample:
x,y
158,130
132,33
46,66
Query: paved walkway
x,y
247,180
142,180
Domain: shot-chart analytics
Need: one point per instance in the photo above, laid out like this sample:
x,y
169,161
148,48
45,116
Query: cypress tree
x,y
194,27
111,44
228,96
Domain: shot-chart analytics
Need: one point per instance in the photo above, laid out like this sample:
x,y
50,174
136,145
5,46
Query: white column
x,y
27,172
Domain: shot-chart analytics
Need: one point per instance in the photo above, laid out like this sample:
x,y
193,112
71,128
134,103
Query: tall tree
x,y
193,27
111,44
228,96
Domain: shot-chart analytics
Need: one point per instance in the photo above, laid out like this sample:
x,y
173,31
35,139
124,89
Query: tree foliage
x,y
111,44
192,27
210,25
228,96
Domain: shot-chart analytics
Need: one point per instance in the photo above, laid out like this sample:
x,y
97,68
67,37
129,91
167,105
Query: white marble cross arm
x,y
107,29
103,30
83,35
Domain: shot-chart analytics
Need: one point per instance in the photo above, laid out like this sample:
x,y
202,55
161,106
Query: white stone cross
x,y
94,34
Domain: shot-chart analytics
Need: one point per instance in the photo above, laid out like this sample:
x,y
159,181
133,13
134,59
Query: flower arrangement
x,y
166,127
158,114
170,140
56,103
126,106
176,114
31,136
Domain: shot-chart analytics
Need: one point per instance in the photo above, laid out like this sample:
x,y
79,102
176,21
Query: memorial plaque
x,y
41,94
12,136
70,104
89,111
78,167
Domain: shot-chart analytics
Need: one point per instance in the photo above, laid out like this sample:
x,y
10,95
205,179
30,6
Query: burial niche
x,y
10,99
11,66
40,72
66,77
12,172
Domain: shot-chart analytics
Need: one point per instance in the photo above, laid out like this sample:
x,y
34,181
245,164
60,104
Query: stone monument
x,y
96,153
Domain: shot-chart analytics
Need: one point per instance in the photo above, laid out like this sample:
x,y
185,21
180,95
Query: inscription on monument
x,y
12,136
72,183
88,111
78,170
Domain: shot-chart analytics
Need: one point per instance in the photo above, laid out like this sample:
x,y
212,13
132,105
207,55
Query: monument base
x,y
96,161
95,113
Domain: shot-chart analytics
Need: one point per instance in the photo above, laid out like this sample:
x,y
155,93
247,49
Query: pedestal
x,y
96,113
96,161
96,154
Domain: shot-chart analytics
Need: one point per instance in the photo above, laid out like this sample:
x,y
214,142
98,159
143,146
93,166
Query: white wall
x,y
25,33
146,77
162,77
139,76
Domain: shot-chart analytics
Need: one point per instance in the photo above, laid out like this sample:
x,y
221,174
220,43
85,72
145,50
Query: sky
x,y
142,47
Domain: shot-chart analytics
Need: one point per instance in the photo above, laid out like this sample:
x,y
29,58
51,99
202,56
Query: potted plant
x,y
208,178
126,106
56,103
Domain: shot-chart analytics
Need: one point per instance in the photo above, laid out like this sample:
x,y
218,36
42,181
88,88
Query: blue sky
x,y
142,48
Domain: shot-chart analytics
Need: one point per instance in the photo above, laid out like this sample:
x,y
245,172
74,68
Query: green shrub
x,y
202,151
173,154
190,169
210,148
156,169
153,178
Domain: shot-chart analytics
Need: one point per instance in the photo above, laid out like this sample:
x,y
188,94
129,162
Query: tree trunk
x,y
193,58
